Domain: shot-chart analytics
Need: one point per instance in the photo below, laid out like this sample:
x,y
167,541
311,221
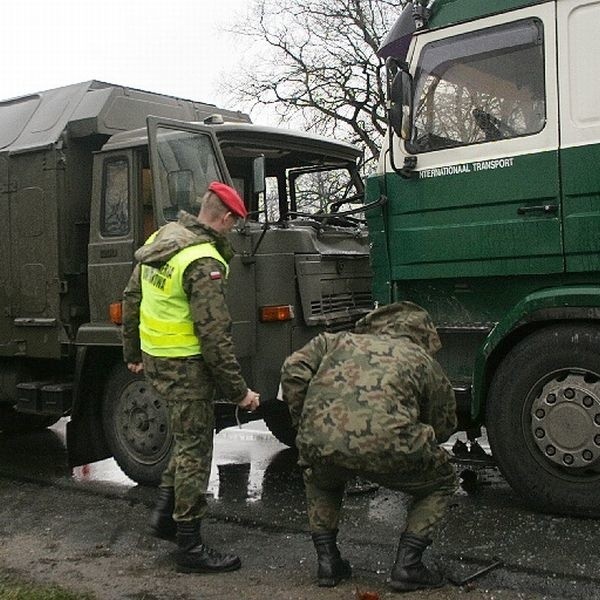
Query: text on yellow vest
x,y
166,326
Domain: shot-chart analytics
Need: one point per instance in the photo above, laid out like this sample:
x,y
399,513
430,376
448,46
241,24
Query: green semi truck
x,y
87,172
492,224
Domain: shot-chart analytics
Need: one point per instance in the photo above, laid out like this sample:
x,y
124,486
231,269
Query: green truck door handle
x,y
547,209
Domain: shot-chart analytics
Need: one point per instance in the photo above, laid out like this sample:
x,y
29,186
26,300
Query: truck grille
x,y
340,312
335,290
342,303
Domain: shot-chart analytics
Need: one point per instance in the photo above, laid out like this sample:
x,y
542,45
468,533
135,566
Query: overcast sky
x,y
176,47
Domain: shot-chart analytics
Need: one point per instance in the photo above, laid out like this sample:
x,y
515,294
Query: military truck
x,y
87,172
492,224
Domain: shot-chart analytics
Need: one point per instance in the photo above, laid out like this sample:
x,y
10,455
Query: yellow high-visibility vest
x,y
166,326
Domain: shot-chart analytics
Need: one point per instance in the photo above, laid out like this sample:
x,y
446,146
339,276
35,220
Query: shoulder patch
x,y
215,275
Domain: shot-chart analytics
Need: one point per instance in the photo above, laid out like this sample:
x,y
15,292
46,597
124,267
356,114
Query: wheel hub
x,y
143,422
140,420
565,422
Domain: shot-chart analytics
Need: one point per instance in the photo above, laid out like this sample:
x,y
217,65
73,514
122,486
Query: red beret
x,y
229,197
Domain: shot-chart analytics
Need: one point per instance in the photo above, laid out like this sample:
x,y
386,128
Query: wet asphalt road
x,y
255,482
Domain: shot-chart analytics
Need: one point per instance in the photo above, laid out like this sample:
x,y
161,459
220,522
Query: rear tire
x,y
543,419
136,426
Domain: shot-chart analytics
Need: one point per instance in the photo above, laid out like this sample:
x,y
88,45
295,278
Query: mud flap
x,y
84,445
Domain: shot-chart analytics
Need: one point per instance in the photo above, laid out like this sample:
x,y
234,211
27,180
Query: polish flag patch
x,y
215,275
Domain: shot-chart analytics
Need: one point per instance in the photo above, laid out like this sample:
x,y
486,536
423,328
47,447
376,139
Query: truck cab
x,y
491,225
301,264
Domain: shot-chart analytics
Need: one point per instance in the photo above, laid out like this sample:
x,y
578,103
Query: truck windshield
x,y
300,181
480,86
323,190
188,164
311,193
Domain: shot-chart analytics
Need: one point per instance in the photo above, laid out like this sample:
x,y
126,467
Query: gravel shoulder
x,y
92,544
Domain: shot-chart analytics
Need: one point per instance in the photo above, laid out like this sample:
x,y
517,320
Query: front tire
x,y
136,426
543,419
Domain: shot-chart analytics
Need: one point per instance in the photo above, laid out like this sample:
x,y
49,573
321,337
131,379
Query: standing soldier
x,y
374,402
177,329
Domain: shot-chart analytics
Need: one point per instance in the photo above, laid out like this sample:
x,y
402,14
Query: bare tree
x,y
315,61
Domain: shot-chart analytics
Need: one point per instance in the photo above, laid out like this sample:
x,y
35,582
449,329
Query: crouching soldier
x,y
374,402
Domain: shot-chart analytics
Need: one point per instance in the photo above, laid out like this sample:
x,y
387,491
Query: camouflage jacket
x,y
206,294
373,399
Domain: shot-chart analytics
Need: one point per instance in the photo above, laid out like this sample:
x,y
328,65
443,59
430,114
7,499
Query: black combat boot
x,y
332,567
194,557
408,572
162,524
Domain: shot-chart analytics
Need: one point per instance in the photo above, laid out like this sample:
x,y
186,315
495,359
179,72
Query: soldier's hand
x,y
250,402
135,367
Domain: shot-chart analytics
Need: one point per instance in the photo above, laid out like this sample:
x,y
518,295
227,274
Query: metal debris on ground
x,y
476,575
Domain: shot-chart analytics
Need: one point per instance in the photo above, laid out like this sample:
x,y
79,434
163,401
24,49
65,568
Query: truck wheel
x,y
543,419
12,421
277,418
136,426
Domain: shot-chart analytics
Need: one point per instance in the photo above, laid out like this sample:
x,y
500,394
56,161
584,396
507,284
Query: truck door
x,y
484,200
185,158
579,47
112,231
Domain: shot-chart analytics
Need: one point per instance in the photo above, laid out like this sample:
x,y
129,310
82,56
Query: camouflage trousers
x,y
188,392
431,491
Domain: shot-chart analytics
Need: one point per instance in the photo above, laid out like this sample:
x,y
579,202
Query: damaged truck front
x,y
77,206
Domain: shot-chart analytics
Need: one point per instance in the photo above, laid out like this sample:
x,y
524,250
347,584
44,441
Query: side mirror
x,y
258,174
400,99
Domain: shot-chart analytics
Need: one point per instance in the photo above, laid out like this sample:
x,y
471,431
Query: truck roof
x,y
443,13
447,12
92,107
266,140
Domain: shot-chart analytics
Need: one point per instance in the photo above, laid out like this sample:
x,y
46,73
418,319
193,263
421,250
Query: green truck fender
x,y
548,305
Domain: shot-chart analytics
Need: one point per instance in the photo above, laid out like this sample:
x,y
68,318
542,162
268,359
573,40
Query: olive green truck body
x,y
86,173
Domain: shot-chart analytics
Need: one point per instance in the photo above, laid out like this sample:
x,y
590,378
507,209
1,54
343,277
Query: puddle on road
x,y
242,460
251,471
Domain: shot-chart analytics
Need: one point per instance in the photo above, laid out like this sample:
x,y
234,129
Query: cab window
x,y
480,86
115,198
187,165
268,203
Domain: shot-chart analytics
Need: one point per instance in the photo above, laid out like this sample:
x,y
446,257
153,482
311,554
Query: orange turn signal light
x,y
115,310
270,314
